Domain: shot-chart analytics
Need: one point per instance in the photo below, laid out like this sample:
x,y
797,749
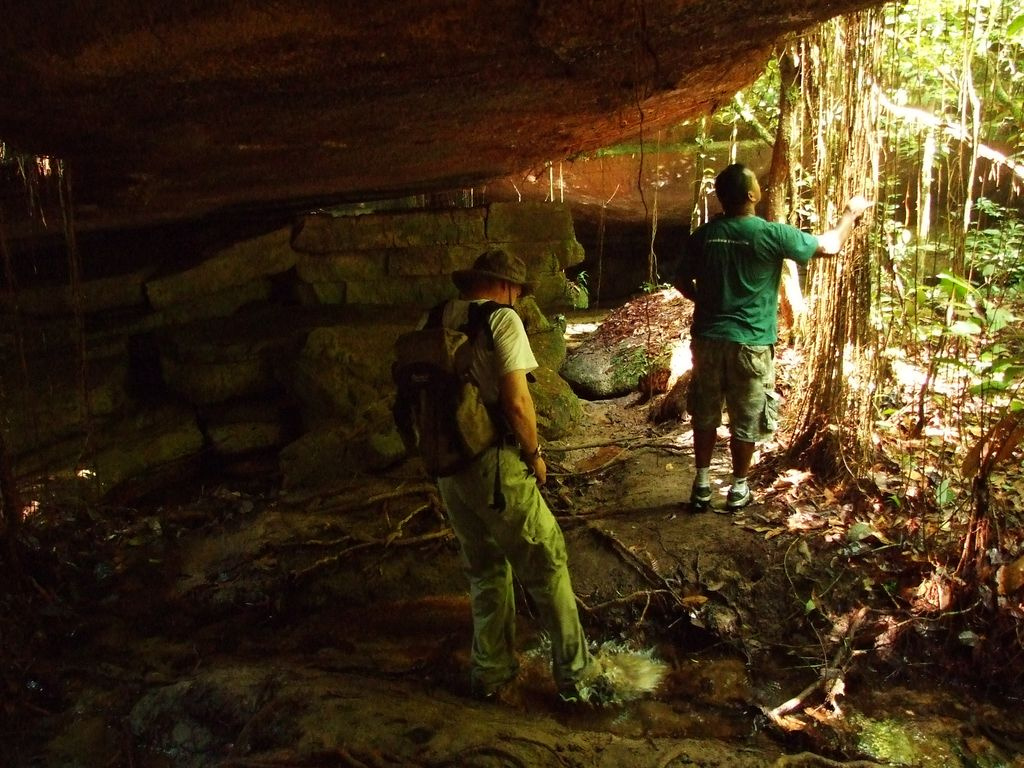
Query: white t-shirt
x,y
511,346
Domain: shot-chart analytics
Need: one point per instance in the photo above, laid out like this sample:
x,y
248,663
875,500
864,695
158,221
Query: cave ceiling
x,y
170,110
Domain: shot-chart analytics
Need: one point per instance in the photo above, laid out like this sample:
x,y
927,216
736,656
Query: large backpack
x,y
438,409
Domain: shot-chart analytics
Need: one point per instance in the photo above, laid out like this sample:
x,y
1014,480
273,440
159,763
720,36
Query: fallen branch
x,y
401,523
646,571
954,131
665,444
316,543
829,673
298,498
597,514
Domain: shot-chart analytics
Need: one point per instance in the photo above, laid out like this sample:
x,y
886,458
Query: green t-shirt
x,y
735,263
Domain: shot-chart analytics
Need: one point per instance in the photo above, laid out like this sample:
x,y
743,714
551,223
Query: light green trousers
x,y
526,539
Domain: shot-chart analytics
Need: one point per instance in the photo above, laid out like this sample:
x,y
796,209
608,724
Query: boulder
x,y
604,372
242,428
99,295
238,357
645,335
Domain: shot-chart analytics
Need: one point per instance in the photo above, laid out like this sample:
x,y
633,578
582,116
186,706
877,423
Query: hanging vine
x,y
10,501
780,191
32,172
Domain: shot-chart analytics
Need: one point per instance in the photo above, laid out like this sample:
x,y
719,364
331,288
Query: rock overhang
x,y
171,111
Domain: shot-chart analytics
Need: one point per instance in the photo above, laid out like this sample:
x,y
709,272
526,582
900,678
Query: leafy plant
x,y
996,251
577,290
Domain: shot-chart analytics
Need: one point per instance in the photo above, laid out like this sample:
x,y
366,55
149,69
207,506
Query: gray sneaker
x,y
700,495
490,690
739,499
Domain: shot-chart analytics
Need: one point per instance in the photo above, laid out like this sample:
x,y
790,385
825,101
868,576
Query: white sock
x,y
703,475
739,483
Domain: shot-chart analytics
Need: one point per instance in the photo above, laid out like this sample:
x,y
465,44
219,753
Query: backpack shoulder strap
x,y
435,315
480,320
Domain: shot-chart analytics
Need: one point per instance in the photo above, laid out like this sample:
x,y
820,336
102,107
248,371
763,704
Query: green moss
x,y
886,740
896,742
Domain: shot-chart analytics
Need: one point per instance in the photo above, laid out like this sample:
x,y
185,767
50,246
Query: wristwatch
x,y
531,456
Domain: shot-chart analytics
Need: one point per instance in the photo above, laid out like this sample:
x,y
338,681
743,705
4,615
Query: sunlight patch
x,y
580,329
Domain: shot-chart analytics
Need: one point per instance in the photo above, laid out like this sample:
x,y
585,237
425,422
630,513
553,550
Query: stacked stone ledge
x,y
277,345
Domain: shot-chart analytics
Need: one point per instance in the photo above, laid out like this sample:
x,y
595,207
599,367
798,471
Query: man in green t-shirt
x,y
730,269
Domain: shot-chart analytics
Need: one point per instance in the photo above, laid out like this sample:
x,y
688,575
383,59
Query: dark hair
x,y
732,186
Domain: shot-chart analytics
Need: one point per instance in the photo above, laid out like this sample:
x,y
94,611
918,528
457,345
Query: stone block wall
x,y
406,258
277,345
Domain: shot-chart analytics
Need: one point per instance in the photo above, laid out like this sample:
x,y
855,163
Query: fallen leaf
x,y
599,459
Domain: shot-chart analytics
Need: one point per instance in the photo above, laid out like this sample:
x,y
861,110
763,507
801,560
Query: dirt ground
x,y
244,626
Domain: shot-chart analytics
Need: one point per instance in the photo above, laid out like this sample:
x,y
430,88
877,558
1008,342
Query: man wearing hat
x,y
523,536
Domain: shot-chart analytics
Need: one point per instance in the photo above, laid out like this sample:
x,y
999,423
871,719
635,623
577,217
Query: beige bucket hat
x,y
494,264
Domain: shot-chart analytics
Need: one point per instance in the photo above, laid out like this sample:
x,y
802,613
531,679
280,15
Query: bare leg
x,y
742,455
703,447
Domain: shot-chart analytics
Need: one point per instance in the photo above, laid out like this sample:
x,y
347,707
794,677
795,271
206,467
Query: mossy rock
x,y
559,410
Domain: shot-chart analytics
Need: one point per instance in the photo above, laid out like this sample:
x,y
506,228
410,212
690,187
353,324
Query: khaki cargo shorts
x,y
741,376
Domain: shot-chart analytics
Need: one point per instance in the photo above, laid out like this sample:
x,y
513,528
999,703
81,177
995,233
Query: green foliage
x,y
996,252
649,287
936,45
1016,28
962,310
577,291
758,102
631,363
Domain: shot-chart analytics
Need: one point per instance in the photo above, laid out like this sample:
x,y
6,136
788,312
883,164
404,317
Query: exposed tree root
x,y
644,569
811,760
340,757
429,489
384,543
633,597
625,442
316,497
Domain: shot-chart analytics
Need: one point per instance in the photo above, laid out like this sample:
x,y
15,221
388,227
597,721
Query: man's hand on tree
x,y
857,205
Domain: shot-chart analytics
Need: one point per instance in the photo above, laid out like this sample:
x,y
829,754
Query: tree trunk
x,y
833,398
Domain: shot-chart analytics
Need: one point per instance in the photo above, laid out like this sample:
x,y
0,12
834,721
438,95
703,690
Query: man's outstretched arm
x,y
832,241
